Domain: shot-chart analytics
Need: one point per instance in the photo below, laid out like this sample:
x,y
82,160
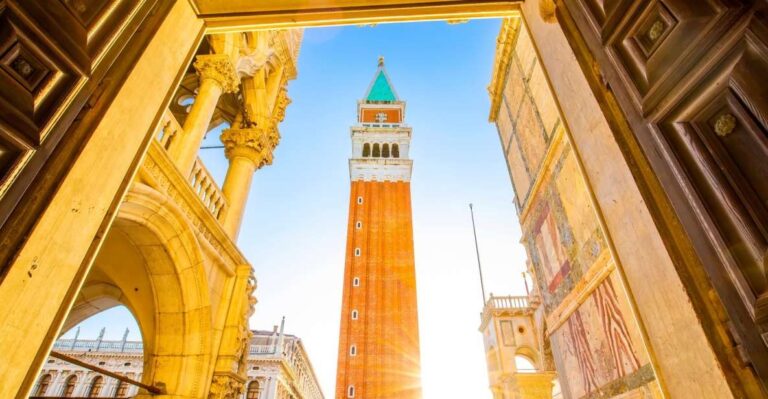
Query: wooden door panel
x,y
689,76
723,149
34,78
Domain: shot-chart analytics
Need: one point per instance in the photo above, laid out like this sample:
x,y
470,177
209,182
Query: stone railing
x,y
89,345
507,302
504,304
263,349
200,179
207,189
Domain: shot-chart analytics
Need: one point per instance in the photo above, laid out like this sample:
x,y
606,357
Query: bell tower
x,y
379,335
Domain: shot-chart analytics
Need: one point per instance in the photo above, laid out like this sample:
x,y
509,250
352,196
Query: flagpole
x,y
477,252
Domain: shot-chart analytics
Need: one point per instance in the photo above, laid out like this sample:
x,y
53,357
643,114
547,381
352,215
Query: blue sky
x,y
295,224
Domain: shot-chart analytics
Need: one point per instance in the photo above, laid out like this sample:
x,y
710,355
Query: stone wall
x,y
597,345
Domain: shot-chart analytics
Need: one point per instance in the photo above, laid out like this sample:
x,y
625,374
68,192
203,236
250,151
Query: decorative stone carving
x,y
255,143
251,61
218,68
245,333
281,104
547,11
225,387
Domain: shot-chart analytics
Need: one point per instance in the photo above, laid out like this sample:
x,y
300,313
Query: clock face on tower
x,y
381,115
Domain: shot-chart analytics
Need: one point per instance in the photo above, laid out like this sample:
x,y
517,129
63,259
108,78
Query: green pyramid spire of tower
x,y
381,88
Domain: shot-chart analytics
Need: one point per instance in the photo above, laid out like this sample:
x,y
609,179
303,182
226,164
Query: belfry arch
x,y
643,187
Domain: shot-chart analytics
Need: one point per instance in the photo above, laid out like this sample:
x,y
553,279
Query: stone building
x,y
656,119
596,343
518,356
271,373
168,251
595,316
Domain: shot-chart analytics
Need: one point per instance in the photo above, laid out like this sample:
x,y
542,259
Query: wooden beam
x,y
254,18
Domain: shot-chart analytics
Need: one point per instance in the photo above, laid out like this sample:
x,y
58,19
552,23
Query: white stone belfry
x,y
380,139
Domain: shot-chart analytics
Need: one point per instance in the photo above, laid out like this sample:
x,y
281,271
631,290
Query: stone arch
x,y
529,354
152,263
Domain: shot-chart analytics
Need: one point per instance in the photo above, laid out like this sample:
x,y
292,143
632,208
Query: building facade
x,y
379,336
662,102
278,367
596,343
518,356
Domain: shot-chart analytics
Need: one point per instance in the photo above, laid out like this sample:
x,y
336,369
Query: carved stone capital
x,y
534,385
219,68
225,387
256,143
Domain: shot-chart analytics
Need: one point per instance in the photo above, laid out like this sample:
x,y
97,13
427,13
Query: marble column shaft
x,y
247,150
217,76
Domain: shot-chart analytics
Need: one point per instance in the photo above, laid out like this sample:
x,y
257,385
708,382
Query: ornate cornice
x,y
219,68
505,43
256,143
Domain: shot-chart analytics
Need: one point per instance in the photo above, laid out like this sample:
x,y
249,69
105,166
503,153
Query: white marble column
x,y
217,76
247,150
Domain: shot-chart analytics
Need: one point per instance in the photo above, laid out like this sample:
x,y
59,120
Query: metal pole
x,y
477,251
525,280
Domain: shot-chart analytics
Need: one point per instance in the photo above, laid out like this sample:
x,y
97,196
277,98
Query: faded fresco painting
x,y
595,341
598,347
599,353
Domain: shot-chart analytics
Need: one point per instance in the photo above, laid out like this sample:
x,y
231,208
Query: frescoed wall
x,y
596,344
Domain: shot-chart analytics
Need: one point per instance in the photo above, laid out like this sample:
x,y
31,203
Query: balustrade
x,y
207,189
507,302
262,349
199,178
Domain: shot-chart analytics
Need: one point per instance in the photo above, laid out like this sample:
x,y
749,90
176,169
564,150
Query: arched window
x,y
253,390
42,387
351,391
376,150
385,151
356,282
69,386
366,150
95,388
395,151
122,390
353,350
354,314
357,251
